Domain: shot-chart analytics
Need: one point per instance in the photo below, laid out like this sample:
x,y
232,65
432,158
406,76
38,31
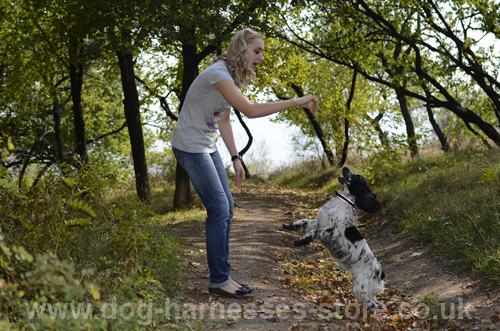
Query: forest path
x,y
258,246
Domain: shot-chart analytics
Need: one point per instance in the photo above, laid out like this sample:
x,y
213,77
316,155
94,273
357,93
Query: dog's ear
x,y
341,181
368,202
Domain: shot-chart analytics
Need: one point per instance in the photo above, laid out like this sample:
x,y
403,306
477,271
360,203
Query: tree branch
x,y
35,145
316,126
104,135
163,100
166,107
249,143
346,121
224,34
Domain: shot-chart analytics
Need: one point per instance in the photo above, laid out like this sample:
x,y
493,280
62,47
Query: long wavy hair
x,y
236,57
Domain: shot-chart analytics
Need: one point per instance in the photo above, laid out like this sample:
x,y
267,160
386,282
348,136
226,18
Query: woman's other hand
x,y
308,101
240,172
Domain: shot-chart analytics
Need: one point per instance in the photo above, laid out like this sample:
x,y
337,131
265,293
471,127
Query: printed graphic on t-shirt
x,y
214,118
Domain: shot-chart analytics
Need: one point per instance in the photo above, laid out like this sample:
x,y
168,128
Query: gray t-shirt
x,y
203,108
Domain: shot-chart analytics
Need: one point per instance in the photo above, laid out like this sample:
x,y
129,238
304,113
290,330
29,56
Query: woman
x,y
206,109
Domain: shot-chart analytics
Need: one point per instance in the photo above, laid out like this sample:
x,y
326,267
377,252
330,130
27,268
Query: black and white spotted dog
x,y
336,227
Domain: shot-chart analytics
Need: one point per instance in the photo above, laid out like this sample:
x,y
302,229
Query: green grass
x,y
72,239
306,175
97,238
453,203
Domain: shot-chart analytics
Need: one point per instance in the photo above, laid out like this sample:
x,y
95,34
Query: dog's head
x,y
358,186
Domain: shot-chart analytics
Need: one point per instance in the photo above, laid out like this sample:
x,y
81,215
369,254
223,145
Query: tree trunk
x,y
317,128
343,159
182,195
477,134
468,116
382,136
30,153
410,127
345,147
442,138
76,78
56,111
133,116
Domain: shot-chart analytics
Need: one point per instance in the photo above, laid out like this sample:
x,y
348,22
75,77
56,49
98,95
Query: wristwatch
x,y
235,157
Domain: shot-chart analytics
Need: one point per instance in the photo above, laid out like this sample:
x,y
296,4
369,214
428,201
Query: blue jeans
x,y
208,175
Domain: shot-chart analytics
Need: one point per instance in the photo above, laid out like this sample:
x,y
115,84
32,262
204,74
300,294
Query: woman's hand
x,y
305,102
254,110
240,172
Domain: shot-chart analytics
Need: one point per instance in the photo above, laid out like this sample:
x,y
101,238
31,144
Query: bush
x,y
28,283
383,165
65,243
453,203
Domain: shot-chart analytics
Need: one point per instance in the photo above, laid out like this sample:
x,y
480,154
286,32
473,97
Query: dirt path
x,y
258,245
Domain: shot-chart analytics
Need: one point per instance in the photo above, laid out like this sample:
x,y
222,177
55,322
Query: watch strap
x,y
234,157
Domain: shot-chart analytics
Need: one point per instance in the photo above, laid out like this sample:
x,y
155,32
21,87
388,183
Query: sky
x,y
276,137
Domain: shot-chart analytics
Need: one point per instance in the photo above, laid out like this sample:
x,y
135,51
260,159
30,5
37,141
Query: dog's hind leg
x,y
304,225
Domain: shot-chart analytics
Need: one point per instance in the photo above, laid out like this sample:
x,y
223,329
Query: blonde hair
x,y
236,56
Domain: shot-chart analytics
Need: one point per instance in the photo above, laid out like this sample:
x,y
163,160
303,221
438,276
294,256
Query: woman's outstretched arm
x,y
254,110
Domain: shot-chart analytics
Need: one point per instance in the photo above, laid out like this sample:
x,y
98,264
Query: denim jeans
x,y
208,175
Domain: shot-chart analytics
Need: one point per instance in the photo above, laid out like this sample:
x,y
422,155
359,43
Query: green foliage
x,y
384,41
7,184
5,147
29,283
286,65
490,176
161,167
66,243
383,165
452,202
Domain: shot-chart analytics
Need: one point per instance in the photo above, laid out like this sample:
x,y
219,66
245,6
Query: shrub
x,y
65,242
453,203
28,283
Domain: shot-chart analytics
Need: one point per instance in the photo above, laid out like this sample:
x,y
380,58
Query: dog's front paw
x,y
303,241
373,306
288,226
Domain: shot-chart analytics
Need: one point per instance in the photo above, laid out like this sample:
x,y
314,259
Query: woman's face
x,y
255,51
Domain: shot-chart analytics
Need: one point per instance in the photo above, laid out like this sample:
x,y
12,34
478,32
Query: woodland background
x,y
87,88
79,80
